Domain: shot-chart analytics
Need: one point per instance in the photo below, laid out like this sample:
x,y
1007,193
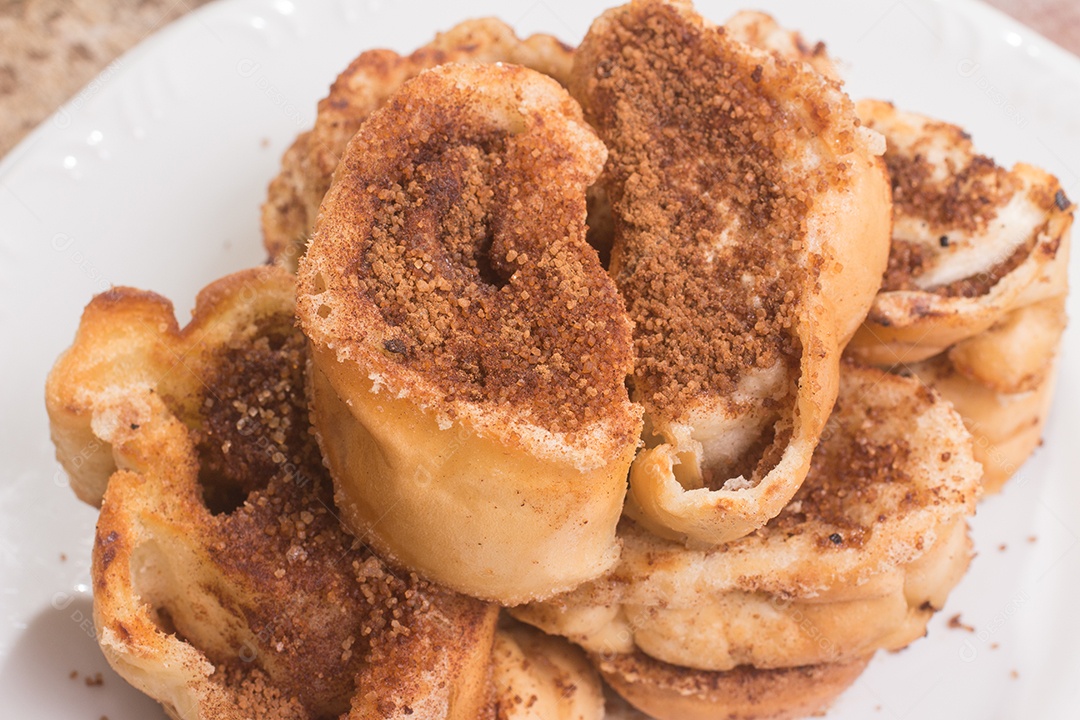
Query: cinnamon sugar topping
x,y
476,260
710,217
317,604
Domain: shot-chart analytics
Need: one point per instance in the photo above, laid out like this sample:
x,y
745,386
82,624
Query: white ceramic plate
x,y
152,176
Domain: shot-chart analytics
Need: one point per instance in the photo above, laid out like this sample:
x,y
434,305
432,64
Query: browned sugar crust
x,y
476,262
688,123
290,211
857,478
967,200
326,607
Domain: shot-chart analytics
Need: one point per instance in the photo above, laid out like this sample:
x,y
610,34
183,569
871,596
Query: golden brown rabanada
x,y
288,216
469,351
974,298
858,561
750,218
224,585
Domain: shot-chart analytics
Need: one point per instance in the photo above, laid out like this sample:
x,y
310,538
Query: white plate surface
x,y
152,176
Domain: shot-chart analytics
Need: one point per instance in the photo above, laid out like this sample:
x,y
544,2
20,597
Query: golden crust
x,y
668,692
469,351
744,267
543,677
1002,383
288,216
971,241
858,561
222,577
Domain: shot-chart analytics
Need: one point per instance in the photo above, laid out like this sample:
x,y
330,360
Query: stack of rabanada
x,y
564,332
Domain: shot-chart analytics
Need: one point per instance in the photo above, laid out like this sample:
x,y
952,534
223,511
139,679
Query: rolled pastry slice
x,y
972,241
224,585
288,216
543,677
468,350
669,692
869,548
750,221
1002,383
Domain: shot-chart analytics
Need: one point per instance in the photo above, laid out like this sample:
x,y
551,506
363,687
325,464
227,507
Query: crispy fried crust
x,y
469,351
224,584
288,216
744,266
858,561
669,692
971,241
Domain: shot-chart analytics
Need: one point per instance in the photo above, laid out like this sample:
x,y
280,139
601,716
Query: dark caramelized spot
x,y
697,144
1062,201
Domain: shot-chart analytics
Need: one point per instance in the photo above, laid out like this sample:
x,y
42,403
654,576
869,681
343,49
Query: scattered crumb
x,y
1002,547
95,681
1032,538
74,674
264,143
994,645
957,624
63,557
1013,674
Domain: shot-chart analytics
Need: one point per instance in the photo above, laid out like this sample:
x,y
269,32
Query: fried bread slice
x,y
858,561
288,216
972,241
224,584
974,299
469,351
750,221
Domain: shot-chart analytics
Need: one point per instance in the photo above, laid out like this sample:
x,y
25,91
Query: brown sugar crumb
x,y
73,675
955,623
63,557
967,200
255,416
1002,547
315,599
477,263
1014,674
906,260
856,481
710,221
96,680
256,694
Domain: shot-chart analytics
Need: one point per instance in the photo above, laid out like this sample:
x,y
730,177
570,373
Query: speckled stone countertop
x,y
49,49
